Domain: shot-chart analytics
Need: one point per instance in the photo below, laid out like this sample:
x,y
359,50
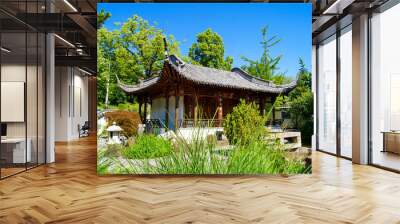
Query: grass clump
x,y
259,157
201,157
148,146
113,150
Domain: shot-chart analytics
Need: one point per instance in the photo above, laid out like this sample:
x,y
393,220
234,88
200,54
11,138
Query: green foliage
x,y
260,157
300,101
244,124
113,150
148,146
134,51
128,107
103,164
154,155
128,121
267,66
211,141
107,90
102,16
196,157
143,47
209,51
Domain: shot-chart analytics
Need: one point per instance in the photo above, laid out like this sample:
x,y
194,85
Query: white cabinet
x,y
19,155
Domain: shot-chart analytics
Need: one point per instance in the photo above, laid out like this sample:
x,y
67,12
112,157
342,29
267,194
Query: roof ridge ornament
x,y
176,61
166,53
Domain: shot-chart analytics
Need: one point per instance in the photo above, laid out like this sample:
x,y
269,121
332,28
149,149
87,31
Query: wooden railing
x,y
155,125
188,123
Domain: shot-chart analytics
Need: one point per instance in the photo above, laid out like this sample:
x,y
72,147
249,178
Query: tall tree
x,y
134,51
102,16
143,46
300,101
106,44
208,51
267,66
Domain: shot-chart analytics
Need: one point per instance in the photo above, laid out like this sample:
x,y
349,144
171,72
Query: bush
x,y
244,124
148,146
301,111
128,107
128,121
301,105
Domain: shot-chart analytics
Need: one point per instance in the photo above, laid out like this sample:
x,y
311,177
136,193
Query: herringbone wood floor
x,y
69,191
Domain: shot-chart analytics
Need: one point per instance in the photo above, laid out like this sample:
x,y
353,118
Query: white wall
x,y
197,133
33,126
71,102
12,73
158,110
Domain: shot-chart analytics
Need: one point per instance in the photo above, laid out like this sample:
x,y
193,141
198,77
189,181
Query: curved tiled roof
x,y
138,87
235,79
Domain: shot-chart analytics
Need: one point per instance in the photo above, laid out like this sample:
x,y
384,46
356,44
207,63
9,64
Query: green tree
x,y
267,66
143,47
300,101
102,16
134,51
208,51
106,44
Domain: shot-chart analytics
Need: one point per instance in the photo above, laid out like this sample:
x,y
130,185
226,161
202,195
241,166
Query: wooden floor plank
x,y
69,191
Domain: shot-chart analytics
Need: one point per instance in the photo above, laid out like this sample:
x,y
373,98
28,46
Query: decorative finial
x,y
166,48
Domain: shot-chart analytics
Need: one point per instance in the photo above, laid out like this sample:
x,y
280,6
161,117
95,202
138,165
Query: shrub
x,y
148,146
301,110
128,121
244,124
128,107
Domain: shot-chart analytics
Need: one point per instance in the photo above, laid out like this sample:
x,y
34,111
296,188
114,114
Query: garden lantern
x,y
114,134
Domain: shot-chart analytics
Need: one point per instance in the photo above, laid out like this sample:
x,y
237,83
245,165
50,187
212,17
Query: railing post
x,y
140,109
176,123
220,112
262,106
166,109
145,109
196,103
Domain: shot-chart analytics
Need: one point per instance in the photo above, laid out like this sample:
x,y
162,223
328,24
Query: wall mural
x,y
204,88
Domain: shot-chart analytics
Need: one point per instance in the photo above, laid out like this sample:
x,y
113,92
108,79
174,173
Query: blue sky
x,y
239,24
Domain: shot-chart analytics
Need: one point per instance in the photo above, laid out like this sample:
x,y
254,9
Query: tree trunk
x,y
108,82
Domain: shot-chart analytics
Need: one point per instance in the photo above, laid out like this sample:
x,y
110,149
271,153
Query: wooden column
x,y
145,109
273,110
166,109
176,120
220,112
140,109
247,98
262,106
195,108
